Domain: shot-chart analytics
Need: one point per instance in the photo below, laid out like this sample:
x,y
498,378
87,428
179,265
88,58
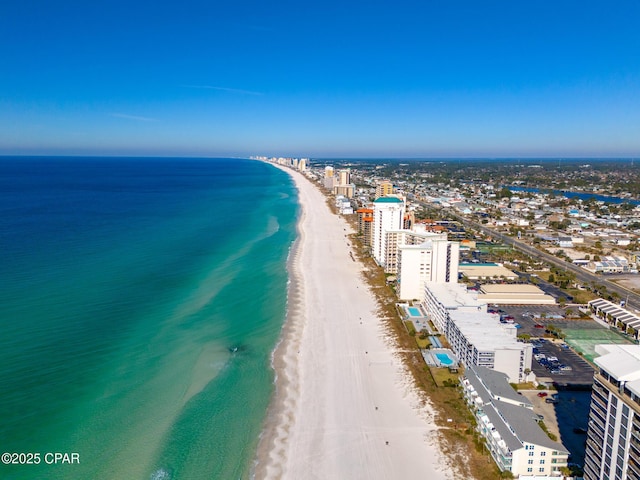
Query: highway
x,y
582,275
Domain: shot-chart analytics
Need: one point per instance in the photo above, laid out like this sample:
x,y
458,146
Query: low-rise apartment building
x,y
510,429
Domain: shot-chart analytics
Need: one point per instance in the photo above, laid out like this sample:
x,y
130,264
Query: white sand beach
x,y
345,407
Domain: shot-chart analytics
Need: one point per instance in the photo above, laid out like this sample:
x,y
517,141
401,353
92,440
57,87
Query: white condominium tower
x,y
613,438
388,214
433,260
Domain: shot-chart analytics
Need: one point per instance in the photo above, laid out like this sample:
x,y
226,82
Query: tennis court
x,y
585,340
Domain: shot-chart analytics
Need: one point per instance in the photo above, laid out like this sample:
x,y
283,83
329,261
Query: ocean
x,y
140,302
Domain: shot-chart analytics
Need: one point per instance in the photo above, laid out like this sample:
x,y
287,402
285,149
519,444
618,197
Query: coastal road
x,y
582,275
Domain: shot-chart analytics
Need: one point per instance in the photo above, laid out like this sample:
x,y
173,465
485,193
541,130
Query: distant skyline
x,y
361,79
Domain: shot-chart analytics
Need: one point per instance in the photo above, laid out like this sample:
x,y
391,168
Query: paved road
x,y
582,275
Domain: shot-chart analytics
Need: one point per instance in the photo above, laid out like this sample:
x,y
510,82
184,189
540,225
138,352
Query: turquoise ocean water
x,y
140,301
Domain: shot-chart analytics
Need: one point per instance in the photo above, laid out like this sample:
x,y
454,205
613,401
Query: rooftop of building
x,y
476,270
622,362
485,332
492,383
455,295
519,299
387,200
512,288
518,425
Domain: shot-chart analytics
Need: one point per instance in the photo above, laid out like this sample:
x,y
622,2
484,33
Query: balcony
x,y
598,404
594,447
633,469
597,422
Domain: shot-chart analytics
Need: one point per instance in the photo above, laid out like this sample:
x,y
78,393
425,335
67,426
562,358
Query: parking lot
x,y
570,369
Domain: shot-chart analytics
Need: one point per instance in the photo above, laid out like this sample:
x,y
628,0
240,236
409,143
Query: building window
x,y
542,454
529,470
530,462
541,462
531,454
541,469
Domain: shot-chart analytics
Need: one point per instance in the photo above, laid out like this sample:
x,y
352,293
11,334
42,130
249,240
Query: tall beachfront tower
x,y
613,438
388,213
329,179
344,177
384,188
435,260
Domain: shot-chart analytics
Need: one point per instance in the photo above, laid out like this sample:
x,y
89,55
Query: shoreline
x,y
275,424
344,404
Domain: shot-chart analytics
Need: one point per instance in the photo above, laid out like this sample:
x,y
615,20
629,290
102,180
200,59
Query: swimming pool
x,y
414,312
444,359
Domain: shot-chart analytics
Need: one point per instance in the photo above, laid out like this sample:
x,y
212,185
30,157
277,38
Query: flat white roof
x,y
485,331
474,271
507,299
455,295
621,362
516,289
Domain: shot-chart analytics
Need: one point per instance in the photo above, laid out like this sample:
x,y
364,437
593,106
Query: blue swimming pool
x,y
414,312
444,359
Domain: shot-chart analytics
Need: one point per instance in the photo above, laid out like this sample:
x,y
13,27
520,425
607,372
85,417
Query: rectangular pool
x,y
414,312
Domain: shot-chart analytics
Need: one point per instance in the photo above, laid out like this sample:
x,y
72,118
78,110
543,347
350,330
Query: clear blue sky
x,y
331,78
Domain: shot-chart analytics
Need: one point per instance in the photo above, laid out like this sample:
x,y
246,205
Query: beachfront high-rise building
x,y
329,178
388,213
344,177
365,225
434,260
342,184
302,164
398,238
613,436
384,188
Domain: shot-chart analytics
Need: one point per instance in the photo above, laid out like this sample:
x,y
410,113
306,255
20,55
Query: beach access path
x,y
345,406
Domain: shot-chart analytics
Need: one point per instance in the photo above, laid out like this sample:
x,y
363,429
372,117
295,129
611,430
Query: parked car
x,y
551,400
537,325
542,394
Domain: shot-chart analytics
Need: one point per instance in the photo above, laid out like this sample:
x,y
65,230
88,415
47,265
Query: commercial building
x,y
613,437
514,294
610,264
388,213
510,429
488,271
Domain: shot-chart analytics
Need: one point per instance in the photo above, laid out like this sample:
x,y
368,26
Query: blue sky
x,y
320,79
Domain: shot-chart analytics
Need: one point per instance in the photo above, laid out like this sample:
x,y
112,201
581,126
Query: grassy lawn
x,y
443,377
581,296
422,343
